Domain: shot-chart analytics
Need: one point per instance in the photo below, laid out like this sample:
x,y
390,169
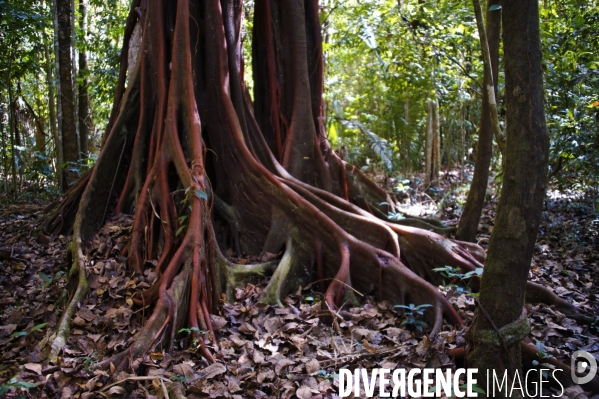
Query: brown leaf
x,y
282,363
304,392
360,333
35,367
218,323
214,370
424,346
312,366
273,324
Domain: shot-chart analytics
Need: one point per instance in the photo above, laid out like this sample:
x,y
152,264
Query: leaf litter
x,y
261,351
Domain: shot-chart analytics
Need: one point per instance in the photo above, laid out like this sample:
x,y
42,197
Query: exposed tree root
x,y
77,271
202,176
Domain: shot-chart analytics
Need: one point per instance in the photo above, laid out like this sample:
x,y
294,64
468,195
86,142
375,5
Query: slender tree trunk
x,y
432,144
484,150
52,111
436,143
66,97
12,125
75,74
40,135
4,144
428,144
520,206
58,137
83,114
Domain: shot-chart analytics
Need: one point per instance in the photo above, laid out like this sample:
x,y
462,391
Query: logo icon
x,y
581,361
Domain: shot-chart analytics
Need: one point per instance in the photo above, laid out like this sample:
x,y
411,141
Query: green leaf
x,y
495,7
45,278
18,334
39,327
24,384
201,194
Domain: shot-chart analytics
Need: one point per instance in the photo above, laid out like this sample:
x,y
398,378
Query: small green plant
x,y
88,361
13,383
394,216
450,272
183,220
543,356
50,279
24,333
195,332
178,378
327,376
413,315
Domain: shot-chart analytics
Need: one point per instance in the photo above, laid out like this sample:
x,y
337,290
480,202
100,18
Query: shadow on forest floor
x,y
262,351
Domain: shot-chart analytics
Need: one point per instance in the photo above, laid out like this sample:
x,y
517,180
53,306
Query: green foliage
x,y
103,45
571,69
385,60
14,383
26,31
413,315
47,280
450,272
195,332
25,333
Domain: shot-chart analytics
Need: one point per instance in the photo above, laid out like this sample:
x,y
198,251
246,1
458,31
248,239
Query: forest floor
x,y
264,351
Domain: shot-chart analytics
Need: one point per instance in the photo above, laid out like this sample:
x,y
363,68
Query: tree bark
x,y
52,111
432,144
84,116
14,133
68,128
520,205
468,226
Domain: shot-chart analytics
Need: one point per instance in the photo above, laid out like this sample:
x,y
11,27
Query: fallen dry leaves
x,y
261,351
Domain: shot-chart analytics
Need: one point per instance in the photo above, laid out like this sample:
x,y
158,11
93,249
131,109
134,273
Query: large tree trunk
x,y
520,206
67,122
468,226
185,154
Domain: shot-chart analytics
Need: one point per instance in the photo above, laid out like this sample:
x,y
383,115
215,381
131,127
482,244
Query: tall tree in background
x,y
432,146
65,91
82,83
521,202
468,226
